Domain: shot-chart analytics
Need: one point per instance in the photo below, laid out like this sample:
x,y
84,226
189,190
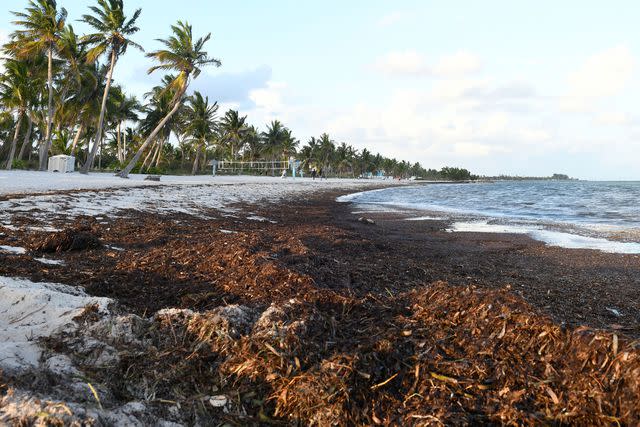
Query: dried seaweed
x,y
438,354
80,236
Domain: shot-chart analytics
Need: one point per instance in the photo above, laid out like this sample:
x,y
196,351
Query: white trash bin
x,y
62,163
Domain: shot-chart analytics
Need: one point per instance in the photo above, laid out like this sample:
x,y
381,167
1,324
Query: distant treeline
x,y
448,174
554,177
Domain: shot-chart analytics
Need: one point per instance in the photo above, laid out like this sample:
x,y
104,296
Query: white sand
x,y
29,311
191,195
12,250
15,181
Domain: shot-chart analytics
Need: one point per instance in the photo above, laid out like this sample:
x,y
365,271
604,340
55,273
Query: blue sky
x,y
498,87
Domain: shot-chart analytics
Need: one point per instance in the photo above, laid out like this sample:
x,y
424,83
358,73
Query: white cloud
x,y
458,88
454,117
390,19
268,98
602,75
460,63
412,63
421,117
407,62
613,118
533,135
223,107
475,150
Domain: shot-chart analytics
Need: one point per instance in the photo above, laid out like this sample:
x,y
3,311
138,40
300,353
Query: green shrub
x,y
155,171
19,164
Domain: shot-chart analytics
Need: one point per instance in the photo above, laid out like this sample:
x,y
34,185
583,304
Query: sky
x,y
527,88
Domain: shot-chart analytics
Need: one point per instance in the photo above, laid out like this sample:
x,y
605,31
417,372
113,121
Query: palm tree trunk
x,y
150,155
155,153
125,172
98,139
76,139
124,146
14,142
44,148
181,148
26,143
159,153
63,96
195,161
100,158
204,161
119,142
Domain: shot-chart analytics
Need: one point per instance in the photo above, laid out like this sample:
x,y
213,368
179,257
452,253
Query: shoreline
x,y
562,232
500,256
564,235
331,288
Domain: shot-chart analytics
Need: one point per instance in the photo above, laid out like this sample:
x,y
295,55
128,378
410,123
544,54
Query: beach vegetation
x,y
39,29
113,30
58,96
184,55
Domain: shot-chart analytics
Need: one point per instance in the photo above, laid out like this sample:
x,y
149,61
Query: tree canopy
x,y
57,95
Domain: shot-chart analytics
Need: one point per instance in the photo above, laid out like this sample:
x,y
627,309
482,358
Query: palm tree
x,y
37,72
273,139
158,107
112,28
15,93
326,149
186,57
126,108
83,101
308,153
201,123
253,144
234,129
344,158
365,161
74,54
289,144
7,124
41,25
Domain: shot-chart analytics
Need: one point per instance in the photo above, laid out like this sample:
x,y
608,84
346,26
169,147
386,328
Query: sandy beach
x,y
259,300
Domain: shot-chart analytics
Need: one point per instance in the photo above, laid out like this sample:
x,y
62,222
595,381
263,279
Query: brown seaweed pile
x,y
79,236
434,355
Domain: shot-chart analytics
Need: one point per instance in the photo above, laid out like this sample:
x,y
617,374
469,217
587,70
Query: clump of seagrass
x,y
80,236
21,409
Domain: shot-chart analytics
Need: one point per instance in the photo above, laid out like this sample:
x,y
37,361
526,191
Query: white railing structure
x,y
273,167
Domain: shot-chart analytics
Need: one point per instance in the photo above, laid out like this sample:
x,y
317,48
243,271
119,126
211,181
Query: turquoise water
x,y
608,211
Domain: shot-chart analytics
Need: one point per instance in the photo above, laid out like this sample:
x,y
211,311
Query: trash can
x,y
62,163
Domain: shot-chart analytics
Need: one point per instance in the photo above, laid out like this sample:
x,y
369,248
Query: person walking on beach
x,y
313,173
320,174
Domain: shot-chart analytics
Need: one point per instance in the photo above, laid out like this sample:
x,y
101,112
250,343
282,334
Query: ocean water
x,y
575,214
